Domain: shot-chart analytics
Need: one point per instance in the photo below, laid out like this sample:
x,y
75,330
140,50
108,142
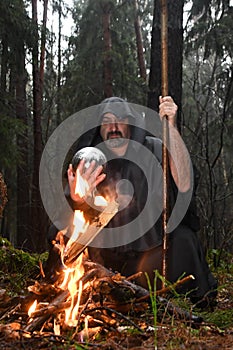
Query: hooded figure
x,y
132,240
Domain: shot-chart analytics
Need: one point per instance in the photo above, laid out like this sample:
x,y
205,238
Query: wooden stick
x,y
77,247
165,138
167,289
38,321
175,285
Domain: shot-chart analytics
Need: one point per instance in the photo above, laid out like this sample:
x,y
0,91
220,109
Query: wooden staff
x,y
165,139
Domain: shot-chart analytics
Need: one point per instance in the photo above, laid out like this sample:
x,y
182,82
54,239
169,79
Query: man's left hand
x,y
168,108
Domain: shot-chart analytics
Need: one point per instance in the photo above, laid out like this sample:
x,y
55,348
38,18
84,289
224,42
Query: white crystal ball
x,y
89,154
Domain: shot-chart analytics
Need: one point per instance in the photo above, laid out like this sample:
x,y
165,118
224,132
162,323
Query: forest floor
x,y
148,328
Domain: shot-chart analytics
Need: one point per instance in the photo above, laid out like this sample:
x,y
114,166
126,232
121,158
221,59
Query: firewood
x,y
38,321
102,272
85,238
41,288
167,289
102,290
10,331
50,309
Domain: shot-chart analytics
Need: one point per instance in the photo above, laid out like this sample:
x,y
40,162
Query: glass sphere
x,y
89,154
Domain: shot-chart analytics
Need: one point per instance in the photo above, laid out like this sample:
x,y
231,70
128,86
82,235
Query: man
x,y
133,177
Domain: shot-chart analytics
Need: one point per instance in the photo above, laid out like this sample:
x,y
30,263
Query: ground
x,y
145,328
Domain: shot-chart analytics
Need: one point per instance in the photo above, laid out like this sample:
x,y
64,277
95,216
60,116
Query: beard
x,y
116,142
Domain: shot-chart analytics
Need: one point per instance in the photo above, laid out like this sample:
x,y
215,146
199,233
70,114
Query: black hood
x,y
121,109
117,106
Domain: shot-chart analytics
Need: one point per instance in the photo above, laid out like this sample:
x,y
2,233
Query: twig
x,y
41,319
117,313
167,289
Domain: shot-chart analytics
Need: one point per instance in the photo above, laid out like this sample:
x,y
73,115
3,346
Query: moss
x,y
18,268
221,318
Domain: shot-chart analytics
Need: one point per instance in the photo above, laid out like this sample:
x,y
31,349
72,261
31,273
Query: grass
x,y
153,304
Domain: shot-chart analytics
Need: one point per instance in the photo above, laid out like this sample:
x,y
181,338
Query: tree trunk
x,y
107,51
175,53
42,52
24,239
4,60
139,42
59,65
38,216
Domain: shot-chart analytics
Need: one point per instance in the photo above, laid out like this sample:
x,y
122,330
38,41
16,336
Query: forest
x,y
113,48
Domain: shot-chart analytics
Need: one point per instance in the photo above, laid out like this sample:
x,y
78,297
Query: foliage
x,y
18,268
222,315
84,71
9,129
211,27
153,300
13,16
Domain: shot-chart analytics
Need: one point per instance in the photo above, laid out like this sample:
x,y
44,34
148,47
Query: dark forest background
x,y
114,49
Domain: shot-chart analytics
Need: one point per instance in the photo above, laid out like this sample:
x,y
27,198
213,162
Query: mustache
x,y
114,133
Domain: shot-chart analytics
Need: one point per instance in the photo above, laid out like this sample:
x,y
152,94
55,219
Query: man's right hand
x,y
91,176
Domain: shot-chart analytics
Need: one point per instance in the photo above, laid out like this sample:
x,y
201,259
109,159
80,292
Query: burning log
x,y
52,309
78,246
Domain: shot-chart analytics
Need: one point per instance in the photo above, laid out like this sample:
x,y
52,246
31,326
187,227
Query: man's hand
x,y
178,154
168,108
92,176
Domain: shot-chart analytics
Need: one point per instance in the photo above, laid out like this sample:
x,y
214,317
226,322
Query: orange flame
x,y
73,283
72,275
32,308
100,201
80,226
56,326
82,185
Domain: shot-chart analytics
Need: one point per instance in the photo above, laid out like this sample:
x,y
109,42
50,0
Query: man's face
x,y
115,132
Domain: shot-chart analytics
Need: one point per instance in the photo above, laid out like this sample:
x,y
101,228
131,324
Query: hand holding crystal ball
x,y
90,163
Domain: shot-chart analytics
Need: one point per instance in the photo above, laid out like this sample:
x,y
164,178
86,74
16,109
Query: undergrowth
x,y
18,268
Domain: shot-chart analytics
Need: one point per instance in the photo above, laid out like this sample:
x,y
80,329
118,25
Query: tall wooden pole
x,y
164,80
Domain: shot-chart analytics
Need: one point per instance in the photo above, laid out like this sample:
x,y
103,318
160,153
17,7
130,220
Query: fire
x,y
32,308
73,283
100,201
82,185
73,271
72,275
80,226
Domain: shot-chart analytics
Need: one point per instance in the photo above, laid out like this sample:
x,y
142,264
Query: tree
x,y
14,113
139,41
38,216
23,179
107,61
101,56
208,75
175,50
